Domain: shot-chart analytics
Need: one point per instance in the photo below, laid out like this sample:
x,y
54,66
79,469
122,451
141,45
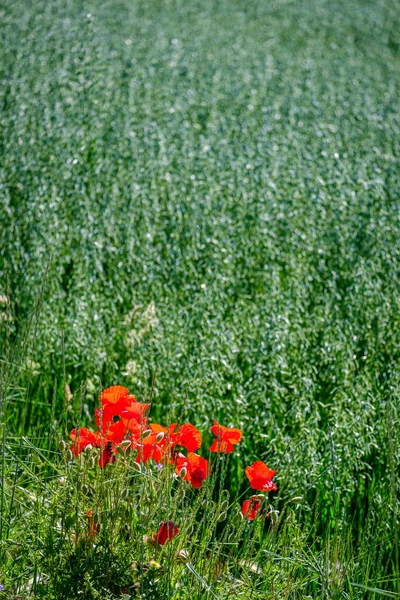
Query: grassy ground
x,y
201,198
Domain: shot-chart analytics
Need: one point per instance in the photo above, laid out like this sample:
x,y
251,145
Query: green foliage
x,y
199,200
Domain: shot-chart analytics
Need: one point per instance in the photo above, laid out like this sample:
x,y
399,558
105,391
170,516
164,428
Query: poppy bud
x,y
222,517
121,450
296,499
137,467
160,436
183,472
146,433
273,515
62,446
69,455
88,448
126,443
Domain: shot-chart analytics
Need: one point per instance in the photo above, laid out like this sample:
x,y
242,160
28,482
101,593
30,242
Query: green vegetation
x,y
200,200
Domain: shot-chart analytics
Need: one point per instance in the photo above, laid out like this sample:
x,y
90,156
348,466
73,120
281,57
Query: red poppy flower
x,y
109,440
82,438
117,432
107,455
157,444
167,431
116,401
92,526
189,437
196,468
251,507
260,477
115,394
167,531
227,437
134,412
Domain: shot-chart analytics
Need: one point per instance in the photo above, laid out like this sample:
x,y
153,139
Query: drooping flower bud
x,y
121,450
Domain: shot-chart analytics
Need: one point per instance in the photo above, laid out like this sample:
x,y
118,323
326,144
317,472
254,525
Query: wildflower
x,y
155,445
81,438
167,531
106,455
260,477
116,432
114,394
92,526
251,507
189,437
194,468
227,437
110,441
116,402
135,412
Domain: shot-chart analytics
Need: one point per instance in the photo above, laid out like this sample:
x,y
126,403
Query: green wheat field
x,y
200,201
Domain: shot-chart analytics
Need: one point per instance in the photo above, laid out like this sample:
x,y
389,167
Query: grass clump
x,y
124,513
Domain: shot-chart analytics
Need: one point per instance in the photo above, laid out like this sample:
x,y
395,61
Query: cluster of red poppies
x,y
123,426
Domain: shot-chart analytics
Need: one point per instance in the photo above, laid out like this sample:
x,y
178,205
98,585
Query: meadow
x,y
199,200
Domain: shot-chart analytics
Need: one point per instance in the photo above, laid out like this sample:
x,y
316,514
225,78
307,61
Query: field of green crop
x,y
199,200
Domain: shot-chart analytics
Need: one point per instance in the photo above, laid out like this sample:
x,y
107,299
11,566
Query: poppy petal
x,y
189,437
113,394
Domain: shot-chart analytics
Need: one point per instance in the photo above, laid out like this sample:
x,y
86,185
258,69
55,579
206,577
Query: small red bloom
x,y
116,402
117,432
196,468
135,412
106,455
227,437
189,437
81,438
157,444
109,440
251,507
115,394
260,477
167,531
92,526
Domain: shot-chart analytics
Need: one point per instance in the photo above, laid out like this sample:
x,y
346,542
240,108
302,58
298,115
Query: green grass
x,y
200,200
